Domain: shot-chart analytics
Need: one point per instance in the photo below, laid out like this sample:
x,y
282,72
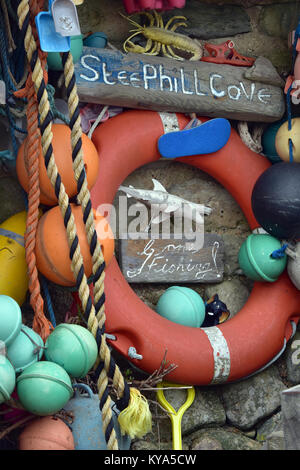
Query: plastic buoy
x,y
26,349
53,259
256,261
10,319
182,305
62,150
7,379
13,272
46,433
44,388
283,136
73,347
276,200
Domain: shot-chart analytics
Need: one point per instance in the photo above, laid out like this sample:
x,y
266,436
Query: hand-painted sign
x,y
156,83
167,261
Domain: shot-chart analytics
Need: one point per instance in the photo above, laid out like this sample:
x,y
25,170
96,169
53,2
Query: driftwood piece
x,y
161,84
169,261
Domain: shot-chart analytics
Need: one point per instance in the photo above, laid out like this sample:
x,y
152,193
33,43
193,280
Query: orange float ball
x,y
61,143
46,433
52,248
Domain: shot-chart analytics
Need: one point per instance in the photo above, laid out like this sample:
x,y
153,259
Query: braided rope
x,y
95,318
135,417
31,159
63,200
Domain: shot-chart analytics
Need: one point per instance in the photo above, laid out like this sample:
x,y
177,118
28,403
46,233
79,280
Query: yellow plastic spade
x,y
175,416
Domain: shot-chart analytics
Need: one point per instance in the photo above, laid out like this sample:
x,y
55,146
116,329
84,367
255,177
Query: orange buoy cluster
x,y
52,250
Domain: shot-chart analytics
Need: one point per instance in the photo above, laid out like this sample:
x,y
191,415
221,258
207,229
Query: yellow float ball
x,y
282,140
13,266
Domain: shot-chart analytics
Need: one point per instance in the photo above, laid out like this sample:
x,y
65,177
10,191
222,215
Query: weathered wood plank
x,y
169,261
161,84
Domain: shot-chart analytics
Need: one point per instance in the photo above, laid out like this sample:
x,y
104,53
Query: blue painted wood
x,y
208,137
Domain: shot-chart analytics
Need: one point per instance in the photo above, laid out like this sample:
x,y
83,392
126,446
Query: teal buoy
x,y
44,388
73,347
268,141
10,319
26,349
98,40
256,261
54,61
7,379
182,305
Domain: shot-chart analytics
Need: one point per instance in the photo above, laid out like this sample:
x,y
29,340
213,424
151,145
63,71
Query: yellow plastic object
x,y
13,266
175,416
78,2
283,135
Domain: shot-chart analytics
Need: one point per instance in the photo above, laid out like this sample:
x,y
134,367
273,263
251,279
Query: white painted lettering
x,y
122,76
175,85
85,66
146,75
214,91
261,95
134,77
252,91
164,78
186,92
236,92
197,87
106,75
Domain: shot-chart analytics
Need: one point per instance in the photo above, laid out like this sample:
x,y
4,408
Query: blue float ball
x,y
182,305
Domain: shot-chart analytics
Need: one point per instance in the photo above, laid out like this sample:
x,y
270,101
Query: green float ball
x,y
10,319
182,305
44,388
7,379
256,261
73,347
26,349
54,59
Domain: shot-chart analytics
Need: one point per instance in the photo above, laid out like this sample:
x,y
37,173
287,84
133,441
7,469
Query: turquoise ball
x,y
10,319
268,141
26,349
7,379
182,305
44,388
73,347
256,261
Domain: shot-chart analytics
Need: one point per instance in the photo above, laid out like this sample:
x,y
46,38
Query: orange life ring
x,y
238,347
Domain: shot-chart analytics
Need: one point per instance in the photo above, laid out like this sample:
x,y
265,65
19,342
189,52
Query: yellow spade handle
x,y
175,416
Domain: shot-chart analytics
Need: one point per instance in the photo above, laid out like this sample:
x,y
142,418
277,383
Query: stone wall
x,y
256,27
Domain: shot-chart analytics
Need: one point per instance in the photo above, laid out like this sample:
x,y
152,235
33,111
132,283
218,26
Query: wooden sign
x,y
168,85
170,261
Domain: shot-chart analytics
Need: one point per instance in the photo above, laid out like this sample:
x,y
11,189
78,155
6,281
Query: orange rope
x,y
31,156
